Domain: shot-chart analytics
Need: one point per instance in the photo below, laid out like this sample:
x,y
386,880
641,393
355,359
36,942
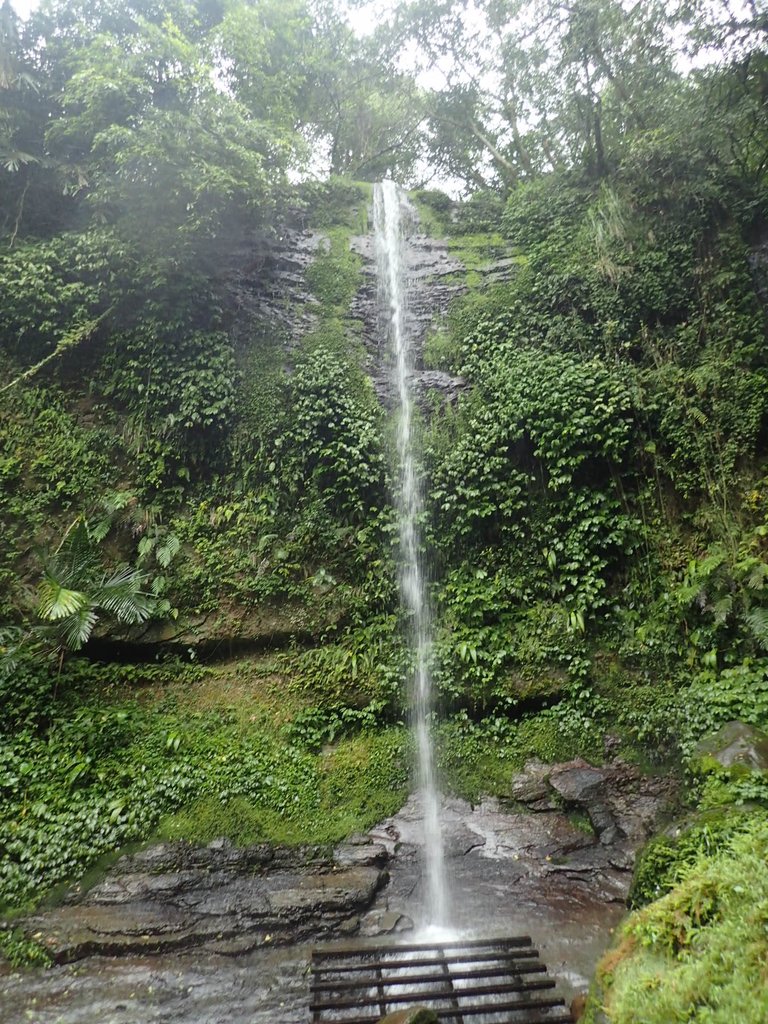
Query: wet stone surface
x,y
215,934
175,896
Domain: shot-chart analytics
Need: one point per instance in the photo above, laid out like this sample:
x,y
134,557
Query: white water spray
x,y
390,206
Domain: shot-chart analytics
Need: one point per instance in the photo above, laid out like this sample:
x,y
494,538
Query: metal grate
x,y
470,982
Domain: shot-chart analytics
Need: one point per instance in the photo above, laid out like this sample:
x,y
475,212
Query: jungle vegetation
x,y
173,453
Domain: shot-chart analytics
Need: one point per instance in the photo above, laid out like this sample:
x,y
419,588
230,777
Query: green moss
x,y
668,858
20,951
335,274
441,350
204,820
358,782
477,251
699,953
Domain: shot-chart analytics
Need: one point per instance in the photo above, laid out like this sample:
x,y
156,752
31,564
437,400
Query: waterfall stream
x,y
391,215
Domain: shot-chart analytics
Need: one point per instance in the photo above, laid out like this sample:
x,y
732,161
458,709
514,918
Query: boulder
x,y
577,782
736,743
531,787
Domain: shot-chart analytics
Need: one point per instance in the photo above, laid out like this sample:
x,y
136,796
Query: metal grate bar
x,y
493,1009
492,981
454,958
418,997
452,988
424,947
522,986
414,979
502,1007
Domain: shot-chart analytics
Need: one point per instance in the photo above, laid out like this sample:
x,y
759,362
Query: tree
x,y
531,88
301,65
19,135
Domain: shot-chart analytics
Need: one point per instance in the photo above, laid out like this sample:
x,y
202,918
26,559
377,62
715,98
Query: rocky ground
x,y
184,934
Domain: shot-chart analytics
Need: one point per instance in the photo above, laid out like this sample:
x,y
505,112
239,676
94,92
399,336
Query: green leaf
x,y
58,601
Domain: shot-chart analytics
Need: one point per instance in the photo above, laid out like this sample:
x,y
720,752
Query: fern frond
x,y
121,595
722,609
757,623
57,601
758,576
76,629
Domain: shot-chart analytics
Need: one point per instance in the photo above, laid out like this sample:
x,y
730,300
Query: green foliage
x,y
357,783
667,859
365,667
334,276
75,589
701,948
715,697
122,747
53,288
332,446
178,385
336,201
481,213
20,951
434,209
479,758
521,485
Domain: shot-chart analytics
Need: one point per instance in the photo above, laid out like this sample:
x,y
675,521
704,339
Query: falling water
x,y
390,206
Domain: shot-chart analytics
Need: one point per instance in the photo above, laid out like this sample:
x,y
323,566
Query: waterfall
x,y
390,210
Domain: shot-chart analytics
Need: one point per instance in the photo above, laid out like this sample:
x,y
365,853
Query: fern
x,y
57,601
75,590
756,620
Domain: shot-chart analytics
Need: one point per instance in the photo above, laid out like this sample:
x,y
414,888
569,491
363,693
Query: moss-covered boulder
x,y
734,744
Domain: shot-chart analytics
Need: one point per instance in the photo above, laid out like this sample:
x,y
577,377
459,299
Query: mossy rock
x,y
736,744
702,947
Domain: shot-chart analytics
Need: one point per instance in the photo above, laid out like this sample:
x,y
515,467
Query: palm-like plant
x,y
75,590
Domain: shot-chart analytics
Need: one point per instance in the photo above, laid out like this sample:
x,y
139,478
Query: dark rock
x,y
385,922
532,787
370,854
620,801
175,896
436,278
461,840
736,743
234,627
350,926
358,839
426,381
577,782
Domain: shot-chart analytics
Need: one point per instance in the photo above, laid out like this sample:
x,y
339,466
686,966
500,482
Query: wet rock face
x,y
432,278
228,900
624,807
269,285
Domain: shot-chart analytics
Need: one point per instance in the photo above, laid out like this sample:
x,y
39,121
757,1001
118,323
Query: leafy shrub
x,y
667,859
715,697
701,948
